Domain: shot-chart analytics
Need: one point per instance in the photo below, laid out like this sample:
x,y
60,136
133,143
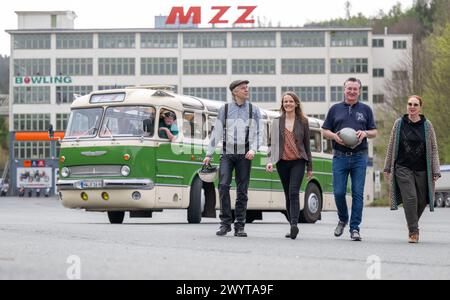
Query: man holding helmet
x,y
350,160
237,126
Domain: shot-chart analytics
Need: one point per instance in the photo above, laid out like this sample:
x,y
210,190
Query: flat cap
x,y
236,83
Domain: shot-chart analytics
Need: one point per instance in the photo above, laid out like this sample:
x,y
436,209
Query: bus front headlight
x,y
65,172
125,171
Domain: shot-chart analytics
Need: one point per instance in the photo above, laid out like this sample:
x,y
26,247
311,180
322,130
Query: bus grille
x,y
99,170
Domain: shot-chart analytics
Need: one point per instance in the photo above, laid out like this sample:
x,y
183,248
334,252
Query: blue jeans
x,y
355,166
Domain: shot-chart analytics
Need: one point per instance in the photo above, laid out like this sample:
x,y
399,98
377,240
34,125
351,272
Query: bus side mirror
x,y
51,132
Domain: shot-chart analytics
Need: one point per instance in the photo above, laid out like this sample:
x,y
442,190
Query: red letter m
x,y
195,12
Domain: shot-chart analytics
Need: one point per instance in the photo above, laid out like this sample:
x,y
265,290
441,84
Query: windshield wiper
x,y
107,128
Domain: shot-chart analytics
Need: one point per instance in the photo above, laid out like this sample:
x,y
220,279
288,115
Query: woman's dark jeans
x,y
291,175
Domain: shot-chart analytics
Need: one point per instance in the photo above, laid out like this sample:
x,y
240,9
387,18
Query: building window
x,y
349,65
204,40
74,66
61,122
66,94
32,67
205,66
32,95
302,39
337,94
159,40
112,87
74,41
31,122
254,66
378,72
54,21
303,66
263,94
378,99
253,39
116,40
400,75
307,93
159,66
364,94
210,93
32,41
349,39
32,150
378,43
399,44
116,66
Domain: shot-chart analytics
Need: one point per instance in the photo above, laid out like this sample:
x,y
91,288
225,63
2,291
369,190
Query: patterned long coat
x,y
432,155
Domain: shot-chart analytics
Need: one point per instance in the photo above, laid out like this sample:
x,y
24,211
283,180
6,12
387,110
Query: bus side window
x,y
167,122
315,139
194,125
327,146
266,134
211,123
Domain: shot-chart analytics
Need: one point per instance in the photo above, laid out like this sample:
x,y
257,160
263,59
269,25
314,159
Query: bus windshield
x,y
84,123
128,121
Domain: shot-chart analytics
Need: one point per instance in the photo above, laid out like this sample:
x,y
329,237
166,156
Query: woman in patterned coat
x,y
412,165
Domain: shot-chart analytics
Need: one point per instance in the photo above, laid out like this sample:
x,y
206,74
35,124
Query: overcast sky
x,y
140,13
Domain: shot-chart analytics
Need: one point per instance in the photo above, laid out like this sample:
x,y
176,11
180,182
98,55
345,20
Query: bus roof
x,y
161,96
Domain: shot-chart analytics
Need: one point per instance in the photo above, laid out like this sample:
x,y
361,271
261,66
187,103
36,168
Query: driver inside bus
x,y
168,128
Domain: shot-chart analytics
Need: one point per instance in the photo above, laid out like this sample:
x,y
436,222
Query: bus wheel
x,y
447,199
194,213
440,202
253,215
313,204
116,217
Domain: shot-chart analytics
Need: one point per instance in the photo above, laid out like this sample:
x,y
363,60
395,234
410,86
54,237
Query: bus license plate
x,y
90,184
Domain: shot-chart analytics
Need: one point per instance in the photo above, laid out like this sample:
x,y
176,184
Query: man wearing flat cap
x,y
237,126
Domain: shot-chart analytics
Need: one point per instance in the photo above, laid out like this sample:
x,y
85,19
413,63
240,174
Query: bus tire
x,y
194,211
253,215
447,199
440,202
313,204
116,217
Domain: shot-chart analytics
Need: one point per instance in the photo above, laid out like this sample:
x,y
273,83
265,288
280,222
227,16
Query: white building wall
x,y
391,59
43,20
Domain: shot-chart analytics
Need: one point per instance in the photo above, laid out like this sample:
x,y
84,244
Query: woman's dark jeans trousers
x,y
291,175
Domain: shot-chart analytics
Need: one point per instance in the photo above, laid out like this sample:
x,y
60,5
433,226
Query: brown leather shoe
x,y
413,238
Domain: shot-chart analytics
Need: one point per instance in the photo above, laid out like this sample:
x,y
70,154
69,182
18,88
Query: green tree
x,y
437,89
4,74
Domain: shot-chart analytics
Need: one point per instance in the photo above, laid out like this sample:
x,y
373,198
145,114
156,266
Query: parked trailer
x,y
443,188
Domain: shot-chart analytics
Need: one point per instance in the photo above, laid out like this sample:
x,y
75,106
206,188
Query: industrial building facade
x,y
51,63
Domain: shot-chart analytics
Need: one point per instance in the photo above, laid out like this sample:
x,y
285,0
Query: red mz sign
x,y
196,13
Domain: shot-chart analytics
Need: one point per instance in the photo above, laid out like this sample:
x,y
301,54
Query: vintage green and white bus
x,y
113,160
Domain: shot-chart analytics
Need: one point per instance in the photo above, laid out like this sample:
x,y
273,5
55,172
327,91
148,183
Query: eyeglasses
x,y
413,104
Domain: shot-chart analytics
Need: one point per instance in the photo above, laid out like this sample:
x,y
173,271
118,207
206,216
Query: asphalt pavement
x,y
39,239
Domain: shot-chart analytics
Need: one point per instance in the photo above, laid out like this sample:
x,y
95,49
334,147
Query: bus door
x,y
170,179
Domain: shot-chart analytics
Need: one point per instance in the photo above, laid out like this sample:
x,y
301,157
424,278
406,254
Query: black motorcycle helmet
x,y
208,173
